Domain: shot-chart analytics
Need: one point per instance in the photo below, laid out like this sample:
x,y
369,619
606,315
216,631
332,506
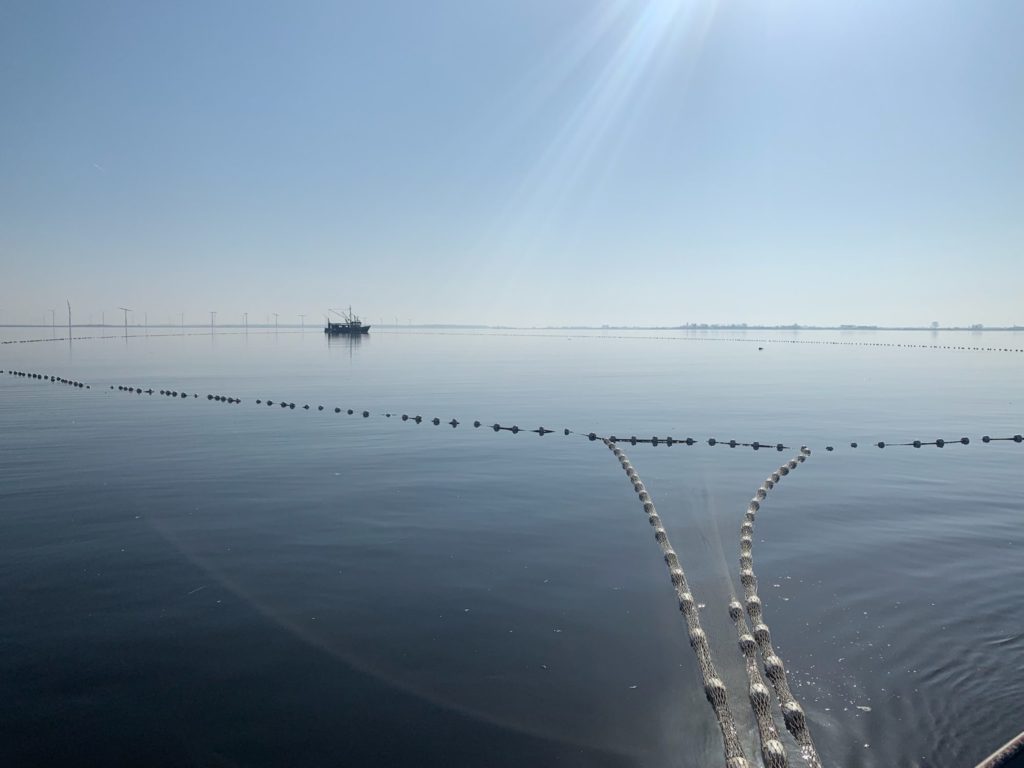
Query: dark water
x,y
196,583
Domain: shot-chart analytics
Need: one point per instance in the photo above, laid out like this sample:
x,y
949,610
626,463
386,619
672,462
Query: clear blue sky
x,y
531,162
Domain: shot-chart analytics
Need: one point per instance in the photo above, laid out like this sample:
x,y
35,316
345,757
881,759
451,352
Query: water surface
x,y
191,582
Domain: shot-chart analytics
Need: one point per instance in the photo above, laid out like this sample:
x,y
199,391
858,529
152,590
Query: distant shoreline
x,y
435,326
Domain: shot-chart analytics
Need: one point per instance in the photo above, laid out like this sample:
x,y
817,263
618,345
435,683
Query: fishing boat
x,y
350,324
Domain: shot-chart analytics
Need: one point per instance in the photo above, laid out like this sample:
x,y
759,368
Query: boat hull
x,y
344,329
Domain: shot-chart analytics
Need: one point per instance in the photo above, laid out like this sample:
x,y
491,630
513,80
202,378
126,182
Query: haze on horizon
x,y
629,162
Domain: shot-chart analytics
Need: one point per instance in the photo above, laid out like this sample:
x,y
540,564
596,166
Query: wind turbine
x,y
302,322
245,320
275,321
126,310
213,319
53,323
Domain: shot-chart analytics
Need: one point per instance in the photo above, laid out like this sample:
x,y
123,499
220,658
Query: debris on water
x,y
197,589
864,709
632,687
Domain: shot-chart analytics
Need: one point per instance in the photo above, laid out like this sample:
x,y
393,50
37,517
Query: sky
x,y
526,163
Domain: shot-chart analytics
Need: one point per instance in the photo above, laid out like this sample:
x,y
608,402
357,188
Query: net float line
x,y
654,441
773,752
714,687
50,378
774,669
738,339
515,429
223,331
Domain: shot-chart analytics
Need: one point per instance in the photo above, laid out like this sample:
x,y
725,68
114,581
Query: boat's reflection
x,y
348,341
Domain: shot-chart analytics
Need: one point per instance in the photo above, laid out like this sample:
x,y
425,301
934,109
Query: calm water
x,y
195,583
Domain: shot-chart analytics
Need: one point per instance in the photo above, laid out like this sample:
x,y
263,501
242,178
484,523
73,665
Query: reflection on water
x,y
187,583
